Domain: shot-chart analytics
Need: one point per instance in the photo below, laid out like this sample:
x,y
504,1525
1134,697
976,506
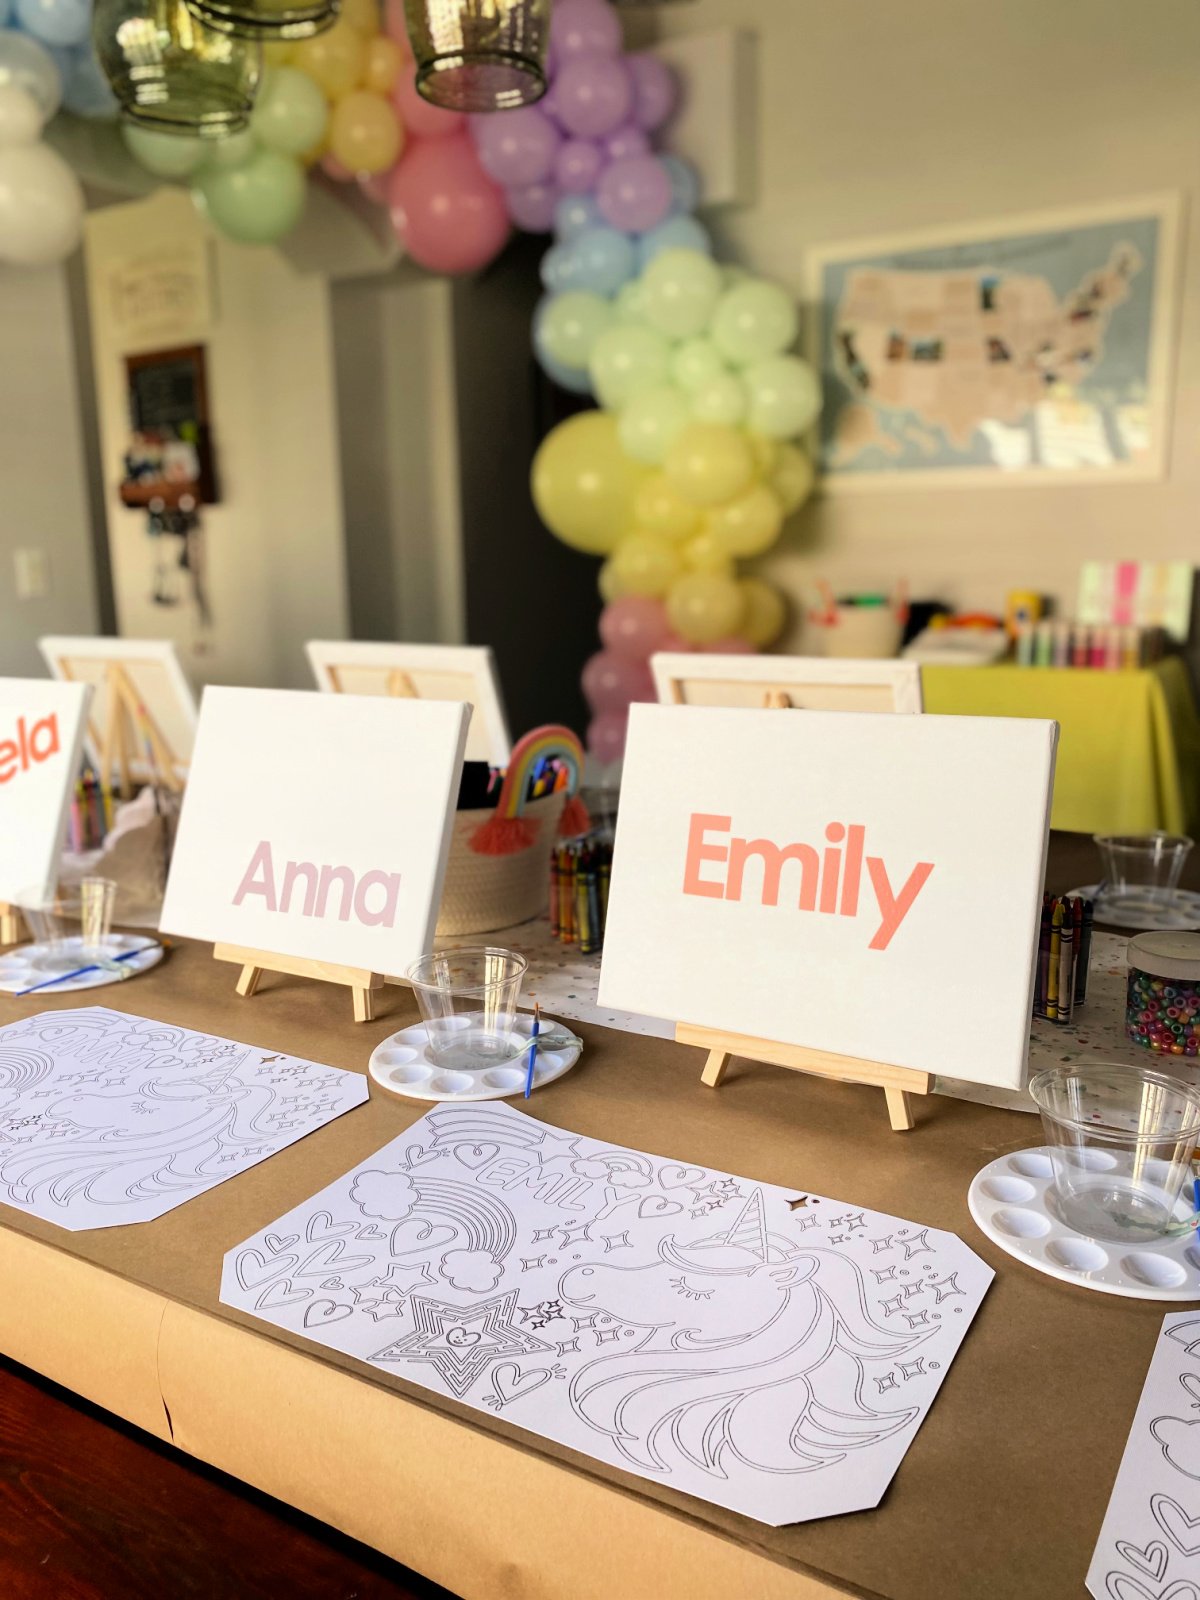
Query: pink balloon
x,y
610,681
394,25
584,28
516,147
374,186
446,211
635,194
532,208
577,166
675,644
606,735
731,646
335,169
420,119
634,626
593,96
655,91
627,141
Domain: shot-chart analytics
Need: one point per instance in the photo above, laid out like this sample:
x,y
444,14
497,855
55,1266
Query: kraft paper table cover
x,y
977,1497
1129,741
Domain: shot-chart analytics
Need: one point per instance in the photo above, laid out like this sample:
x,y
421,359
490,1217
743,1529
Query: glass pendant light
x,y
169,70
479,55
268,19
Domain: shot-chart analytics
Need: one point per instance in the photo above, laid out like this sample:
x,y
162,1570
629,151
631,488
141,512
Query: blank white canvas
x,y
437,672
969,796
338,781
819,683
35,793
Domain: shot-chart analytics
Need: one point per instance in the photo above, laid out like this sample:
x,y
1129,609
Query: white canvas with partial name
x,y
41,729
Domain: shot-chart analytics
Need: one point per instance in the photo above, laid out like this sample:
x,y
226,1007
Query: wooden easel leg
x,y
900,1113
715,1067
364,1004
10,925
248,981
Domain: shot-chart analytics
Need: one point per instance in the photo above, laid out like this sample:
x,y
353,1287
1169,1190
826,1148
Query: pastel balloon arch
x,y
689,463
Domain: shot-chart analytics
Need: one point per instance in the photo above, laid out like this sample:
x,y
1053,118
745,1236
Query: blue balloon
x,y
685,185
572,215
55,22
556,268
601,259
676,233
86,90
6,11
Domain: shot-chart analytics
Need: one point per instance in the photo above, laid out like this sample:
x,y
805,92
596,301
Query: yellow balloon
x,y
748,525
704,552
705,606
384,60
765,612
277,52
710,462
792,477
362,15
584,484
766,452
608,583
645,564
659,509
335,60
364,132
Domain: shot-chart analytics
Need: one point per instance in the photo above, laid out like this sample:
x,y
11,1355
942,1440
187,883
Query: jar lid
x,y
1167,955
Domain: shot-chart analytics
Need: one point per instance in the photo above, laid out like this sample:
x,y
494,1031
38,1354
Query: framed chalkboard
x,y
168,401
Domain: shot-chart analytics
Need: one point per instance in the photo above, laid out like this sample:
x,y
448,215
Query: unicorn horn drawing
x,y
753,1357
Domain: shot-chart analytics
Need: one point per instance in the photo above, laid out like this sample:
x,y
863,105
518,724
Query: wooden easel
x,y
897,1083
126,719
11,928
400,686
361,983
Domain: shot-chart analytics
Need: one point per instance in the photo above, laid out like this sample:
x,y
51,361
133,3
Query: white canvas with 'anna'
x,y
863,884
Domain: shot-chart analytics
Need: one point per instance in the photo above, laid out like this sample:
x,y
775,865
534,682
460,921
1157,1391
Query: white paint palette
x,y
401,1065
1012,1201
1181,917
31,964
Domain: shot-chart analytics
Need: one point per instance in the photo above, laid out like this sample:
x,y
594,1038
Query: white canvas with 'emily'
x,y
317,825
868,885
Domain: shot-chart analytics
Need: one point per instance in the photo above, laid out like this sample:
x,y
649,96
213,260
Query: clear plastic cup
x,y
53,923
1121,1146
97,898
468,1000
1141,871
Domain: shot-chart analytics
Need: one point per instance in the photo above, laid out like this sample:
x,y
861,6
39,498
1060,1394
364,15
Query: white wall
x,y
874,117
43,486
275,555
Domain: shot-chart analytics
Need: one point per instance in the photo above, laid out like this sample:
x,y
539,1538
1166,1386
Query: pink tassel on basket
x,y
508,831
575,819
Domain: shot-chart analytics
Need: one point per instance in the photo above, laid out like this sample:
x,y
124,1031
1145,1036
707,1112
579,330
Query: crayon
x,y
1084,953
1042,987
1066,973
1056,922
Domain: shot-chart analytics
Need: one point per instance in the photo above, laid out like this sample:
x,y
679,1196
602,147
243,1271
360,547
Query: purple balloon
x,y
655,91
635,194
578,164
532,208
583,28
593,96
627,141
517,148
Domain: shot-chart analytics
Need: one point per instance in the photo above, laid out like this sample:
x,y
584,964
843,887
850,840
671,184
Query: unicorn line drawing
x,y
752,1360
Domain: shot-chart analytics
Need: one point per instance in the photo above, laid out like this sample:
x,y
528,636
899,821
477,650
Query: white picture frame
x,y
865,886
41,736
152,666
422,672
810,683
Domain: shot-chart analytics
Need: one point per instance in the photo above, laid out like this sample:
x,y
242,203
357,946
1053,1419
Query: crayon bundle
x,y
91,813
1064,950
579,874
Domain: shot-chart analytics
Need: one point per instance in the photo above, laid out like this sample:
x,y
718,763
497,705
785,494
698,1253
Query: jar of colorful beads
x,y
1162,1008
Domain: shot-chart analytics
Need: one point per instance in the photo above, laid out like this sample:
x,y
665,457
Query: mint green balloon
x,y
682,288
569,326
651,422
696,362
290,113
722,398
753,321
630,303
256,203
232,151
625,360
785,397
166,155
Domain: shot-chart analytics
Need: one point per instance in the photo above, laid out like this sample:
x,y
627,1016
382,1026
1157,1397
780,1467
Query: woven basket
x,y
487,892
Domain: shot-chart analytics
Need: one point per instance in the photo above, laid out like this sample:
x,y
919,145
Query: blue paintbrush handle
x,y
79,972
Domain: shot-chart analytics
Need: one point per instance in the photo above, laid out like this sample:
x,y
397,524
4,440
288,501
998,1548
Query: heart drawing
x,y
1152,1560
1182,1530
510,1383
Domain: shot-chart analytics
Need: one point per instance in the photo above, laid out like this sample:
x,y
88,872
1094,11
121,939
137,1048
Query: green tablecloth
x,y
1129,752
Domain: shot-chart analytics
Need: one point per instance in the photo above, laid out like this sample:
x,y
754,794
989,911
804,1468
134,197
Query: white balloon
x,y
20,116
30,66
41,206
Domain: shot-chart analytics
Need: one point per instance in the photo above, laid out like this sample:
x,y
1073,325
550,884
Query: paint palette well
x,y
401,1065
1011,1200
